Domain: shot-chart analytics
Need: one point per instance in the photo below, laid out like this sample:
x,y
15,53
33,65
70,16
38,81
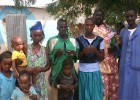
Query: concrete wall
x,y
32,15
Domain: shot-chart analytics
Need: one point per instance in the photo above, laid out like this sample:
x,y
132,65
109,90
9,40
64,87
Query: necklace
x,y
35,51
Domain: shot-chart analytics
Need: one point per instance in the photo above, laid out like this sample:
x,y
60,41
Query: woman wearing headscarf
x,y
37,58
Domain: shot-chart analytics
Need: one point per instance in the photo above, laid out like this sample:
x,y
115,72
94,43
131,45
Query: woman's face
x,y
37,36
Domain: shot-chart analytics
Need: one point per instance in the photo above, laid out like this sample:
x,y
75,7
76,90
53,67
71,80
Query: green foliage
x,y
72,9
19,4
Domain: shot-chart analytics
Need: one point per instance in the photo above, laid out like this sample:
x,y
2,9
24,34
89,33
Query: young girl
x,y
7,82
25,90
66,82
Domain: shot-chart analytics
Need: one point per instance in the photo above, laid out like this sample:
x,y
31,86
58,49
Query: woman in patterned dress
x,y
37,58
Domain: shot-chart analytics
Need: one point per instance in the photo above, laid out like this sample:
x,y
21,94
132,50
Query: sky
x,y
39,3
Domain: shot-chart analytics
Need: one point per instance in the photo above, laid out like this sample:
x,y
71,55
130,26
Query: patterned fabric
x,y
110,86
109,66
106,64
38,60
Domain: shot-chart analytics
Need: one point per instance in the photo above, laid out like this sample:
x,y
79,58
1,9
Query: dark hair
x,y
61,20
67,61
25,73
98,10
5,54
131,9
88,19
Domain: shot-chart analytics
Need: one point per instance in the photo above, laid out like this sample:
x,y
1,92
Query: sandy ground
x,y
48,86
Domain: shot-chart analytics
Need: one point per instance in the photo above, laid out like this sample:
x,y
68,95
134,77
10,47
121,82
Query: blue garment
x,y
90,80
19,95
91,57
7,85
90,86
129,72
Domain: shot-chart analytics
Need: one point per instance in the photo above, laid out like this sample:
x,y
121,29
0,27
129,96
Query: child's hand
x,y
15,74
71,87
66,87
26,91
18,62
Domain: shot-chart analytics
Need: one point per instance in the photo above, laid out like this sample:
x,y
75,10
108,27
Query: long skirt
x,y
90,86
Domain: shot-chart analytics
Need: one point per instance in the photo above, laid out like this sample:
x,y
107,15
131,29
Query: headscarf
x,y
37,26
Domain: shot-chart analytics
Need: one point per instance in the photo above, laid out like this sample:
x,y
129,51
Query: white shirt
x,y
131,32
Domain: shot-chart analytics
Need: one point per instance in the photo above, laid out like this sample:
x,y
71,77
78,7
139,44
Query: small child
x,y
7,82
19,62
66,81
25,91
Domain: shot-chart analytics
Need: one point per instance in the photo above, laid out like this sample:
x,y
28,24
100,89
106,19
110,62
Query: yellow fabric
x,y
109,61
19,55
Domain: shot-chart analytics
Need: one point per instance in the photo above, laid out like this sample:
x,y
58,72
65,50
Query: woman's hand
x,y
37,70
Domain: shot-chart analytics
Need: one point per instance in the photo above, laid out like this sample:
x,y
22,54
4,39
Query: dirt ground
x,y
48,86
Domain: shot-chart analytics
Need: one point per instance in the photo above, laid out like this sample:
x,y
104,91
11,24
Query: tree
x,y
19,4
72,9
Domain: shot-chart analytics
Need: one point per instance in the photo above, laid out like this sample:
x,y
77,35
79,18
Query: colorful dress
x,y
38,60
109,66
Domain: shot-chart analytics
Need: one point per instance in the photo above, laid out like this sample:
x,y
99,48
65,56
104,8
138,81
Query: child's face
x,y
18,45
6,64
67,70
24,82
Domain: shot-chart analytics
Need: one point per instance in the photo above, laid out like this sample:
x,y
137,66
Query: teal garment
x,y
90,86
7,85
19,95
54,44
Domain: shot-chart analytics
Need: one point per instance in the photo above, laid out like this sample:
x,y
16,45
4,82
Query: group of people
x,y
99,77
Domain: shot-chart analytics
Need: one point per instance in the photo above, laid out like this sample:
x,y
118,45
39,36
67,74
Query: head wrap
x,y
37,26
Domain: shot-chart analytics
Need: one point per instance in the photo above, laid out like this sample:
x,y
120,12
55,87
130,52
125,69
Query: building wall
x,y
33,15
